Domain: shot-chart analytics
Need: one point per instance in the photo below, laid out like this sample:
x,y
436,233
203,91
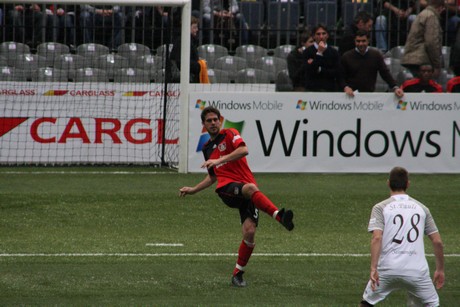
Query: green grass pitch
x,y
92,236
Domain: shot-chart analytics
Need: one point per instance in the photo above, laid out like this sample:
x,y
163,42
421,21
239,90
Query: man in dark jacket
x,y
361,65
362,21
297,64
323,71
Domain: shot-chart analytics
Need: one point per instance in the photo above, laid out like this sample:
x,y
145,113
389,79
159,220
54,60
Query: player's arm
x,y
376,248
438,248
240,152
205,183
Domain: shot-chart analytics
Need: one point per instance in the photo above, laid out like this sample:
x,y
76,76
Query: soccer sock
x,y
244,253
263,203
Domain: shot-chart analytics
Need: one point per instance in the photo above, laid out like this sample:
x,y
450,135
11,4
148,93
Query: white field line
x,y
305,255
84,173
165,244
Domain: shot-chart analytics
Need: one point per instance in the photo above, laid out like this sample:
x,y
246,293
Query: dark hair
x,y
319,26
399,179
304,36
208,110
362,33
194,20
362,16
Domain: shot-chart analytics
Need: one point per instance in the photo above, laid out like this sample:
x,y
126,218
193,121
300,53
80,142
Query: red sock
x,y
263,203
244,253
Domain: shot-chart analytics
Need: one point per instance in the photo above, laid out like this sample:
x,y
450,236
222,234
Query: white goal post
x,y
185,5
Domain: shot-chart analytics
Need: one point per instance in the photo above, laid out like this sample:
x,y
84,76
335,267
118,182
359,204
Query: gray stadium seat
x,y
397,52
91,52
272,65
150,63
133,51
251,53
51,51
3,61
283,83
29,63
12,49
8,73
111,62
230,64
49,74
211,52
89,74
69,63
252,75
131,75
283,51
218,76
402,76
161,51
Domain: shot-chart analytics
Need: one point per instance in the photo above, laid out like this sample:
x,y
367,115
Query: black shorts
x,y
232,196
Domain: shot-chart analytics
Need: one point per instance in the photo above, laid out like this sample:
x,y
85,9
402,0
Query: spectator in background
x,y
296,62
323,72
453,85
28,23
195,67
453,15
139,25
392,15
424,83
362,21
92,18
222,13
424,42
61,25
361,65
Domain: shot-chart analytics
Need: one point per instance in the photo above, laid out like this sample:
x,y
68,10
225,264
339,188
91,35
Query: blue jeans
x,y
381,33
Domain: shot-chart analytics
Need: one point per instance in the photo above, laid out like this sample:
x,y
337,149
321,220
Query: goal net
x,y
90,98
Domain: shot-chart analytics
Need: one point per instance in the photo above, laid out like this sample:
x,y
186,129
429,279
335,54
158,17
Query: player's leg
x,y
262,202
385,287
244,252
421,292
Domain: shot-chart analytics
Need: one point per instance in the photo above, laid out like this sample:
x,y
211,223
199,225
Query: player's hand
x,y
349,91
438,279
210,163
374,280
185,191
399,92
321,47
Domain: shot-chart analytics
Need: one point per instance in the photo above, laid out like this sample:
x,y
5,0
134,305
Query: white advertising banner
x,y
329,132
84,123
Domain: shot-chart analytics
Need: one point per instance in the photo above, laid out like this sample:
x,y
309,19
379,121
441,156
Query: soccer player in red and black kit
x,y
225,159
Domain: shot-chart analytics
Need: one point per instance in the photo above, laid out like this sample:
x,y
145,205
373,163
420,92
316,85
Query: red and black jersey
x,y
453,85
414,86
235,171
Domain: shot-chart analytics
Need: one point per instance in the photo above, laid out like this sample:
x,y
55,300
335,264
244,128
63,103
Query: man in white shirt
x,y
397,249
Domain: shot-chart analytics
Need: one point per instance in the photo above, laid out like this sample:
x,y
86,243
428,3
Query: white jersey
x,y
404,221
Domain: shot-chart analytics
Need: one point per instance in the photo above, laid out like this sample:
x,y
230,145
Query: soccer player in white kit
x,y
398,225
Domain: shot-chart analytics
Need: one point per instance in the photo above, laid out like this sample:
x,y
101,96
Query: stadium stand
x,y
252,75
211,52
251,53
218,76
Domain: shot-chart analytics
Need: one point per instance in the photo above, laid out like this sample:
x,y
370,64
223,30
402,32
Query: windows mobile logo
x,y
200,104
225,124
402,105
301,105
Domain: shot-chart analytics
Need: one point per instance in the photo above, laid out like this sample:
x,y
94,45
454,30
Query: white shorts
x,y
421,291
